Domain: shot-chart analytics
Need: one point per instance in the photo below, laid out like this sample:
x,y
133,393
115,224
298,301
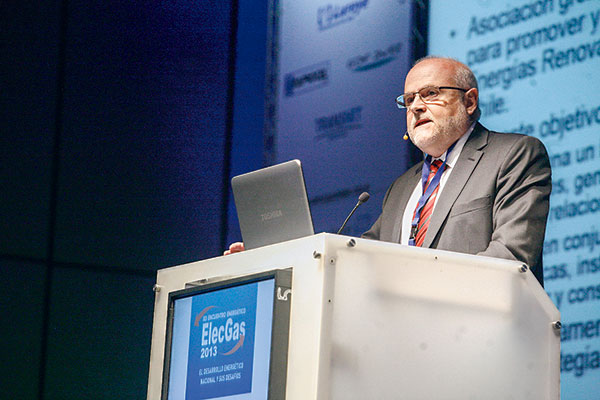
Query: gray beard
x,y
452,129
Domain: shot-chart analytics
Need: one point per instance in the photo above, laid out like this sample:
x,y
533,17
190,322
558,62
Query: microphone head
x,y
364,196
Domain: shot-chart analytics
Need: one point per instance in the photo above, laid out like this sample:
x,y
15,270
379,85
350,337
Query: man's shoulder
x,y
410,174
509,139
509,148
510,136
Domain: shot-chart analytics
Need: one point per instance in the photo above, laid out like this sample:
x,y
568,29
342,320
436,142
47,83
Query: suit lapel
x,y
403,200
468,159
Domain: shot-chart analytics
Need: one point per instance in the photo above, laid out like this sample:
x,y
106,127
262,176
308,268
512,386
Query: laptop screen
x,y
272,205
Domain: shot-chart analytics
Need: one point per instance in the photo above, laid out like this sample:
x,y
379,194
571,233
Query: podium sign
x,y
379,320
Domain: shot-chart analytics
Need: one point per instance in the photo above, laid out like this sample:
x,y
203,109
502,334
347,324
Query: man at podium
x,y
477,191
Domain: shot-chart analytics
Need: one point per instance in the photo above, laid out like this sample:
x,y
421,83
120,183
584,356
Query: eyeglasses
x,y
428,94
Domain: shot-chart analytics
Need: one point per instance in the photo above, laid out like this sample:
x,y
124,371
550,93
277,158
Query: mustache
x,y
419,121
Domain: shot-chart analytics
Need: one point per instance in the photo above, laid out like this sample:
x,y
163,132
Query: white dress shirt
x,y
409,211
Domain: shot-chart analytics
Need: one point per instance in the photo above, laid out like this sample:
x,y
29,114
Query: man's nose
x,y
418,105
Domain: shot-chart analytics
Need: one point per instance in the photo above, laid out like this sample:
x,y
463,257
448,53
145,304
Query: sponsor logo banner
x,y
333,15
307,79
375,58
339,124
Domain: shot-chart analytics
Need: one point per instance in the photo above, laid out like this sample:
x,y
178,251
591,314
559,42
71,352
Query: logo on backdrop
x,y
306,79
375,58
332,15
337,125
221,349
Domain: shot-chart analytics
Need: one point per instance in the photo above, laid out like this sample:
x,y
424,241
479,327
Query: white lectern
x,y
375,320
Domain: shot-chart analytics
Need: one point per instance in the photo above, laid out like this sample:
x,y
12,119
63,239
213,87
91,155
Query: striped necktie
x,y
428,207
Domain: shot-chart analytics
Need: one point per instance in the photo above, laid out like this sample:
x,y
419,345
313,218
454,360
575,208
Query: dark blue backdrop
x,y
117,126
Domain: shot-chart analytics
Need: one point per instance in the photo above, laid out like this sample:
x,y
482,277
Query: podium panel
x,y
375,320
422,324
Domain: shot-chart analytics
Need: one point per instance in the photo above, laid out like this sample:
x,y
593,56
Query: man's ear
x,y
471,100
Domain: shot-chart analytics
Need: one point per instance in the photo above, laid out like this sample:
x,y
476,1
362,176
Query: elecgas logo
x,y
306,79
218,329
375,58
334,15
339,124
220,348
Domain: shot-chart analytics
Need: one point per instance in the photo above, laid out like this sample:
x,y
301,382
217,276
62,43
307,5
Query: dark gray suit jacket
x,y
495,202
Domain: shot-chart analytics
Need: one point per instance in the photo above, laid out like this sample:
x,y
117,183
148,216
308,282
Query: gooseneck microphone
x,y
364,196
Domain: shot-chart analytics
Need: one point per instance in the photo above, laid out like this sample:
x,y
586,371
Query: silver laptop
x,y
272,205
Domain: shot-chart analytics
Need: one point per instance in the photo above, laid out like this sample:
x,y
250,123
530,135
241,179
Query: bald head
x,y
461,74
435,122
